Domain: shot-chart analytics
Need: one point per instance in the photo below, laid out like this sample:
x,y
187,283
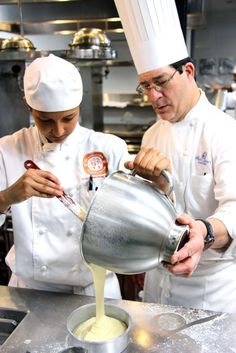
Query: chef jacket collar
x,y
52,146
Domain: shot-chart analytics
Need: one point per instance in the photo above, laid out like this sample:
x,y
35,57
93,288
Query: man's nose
x,y
153,94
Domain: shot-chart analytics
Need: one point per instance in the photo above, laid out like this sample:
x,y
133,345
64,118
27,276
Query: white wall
x,y
216,41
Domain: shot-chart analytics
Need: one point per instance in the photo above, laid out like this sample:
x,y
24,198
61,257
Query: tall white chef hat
x,y
153,32
52,84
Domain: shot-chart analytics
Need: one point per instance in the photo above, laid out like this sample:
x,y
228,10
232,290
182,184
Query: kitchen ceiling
x,y
68,16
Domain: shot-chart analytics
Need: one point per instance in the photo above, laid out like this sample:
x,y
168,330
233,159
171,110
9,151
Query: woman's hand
x,y
33,182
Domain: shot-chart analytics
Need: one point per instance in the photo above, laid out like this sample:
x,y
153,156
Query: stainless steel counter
x,y
43,329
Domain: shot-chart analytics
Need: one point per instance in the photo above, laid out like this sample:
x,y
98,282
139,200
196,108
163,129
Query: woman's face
x,y
56,126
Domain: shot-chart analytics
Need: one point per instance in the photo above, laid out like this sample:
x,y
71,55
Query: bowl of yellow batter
x,y
110,334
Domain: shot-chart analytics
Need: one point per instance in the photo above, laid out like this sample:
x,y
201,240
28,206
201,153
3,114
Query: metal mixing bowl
x,y
90,38
85,312
91,43
130,226
17,43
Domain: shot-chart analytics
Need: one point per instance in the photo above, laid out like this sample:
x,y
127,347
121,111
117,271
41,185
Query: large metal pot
x,y
130,226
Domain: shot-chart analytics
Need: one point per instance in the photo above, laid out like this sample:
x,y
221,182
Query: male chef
x,y
196,142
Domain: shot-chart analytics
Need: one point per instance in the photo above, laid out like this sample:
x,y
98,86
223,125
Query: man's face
x,y
170,101
56,126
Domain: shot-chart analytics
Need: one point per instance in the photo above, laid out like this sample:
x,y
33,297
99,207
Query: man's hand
x,y
185,261
149,163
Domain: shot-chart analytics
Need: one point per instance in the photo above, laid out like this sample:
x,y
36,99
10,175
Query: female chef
x,y
46,252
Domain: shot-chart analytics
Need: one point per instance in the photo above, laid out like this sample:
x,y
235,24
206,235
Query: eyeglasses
x,y
145,87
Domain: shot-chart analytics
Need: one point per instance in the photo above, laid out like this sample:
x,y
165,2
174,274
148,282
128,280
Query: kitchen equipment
x,y
67,201
18,43
85,312
92,43
131,226
9,320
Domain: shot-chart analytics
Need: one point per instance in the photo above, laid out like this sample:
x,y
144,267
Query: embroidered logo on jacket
x,y
95,163
202,159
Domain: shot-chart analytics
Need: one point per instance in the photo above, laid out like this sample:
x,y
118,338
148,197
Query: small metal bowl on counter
x,y
85,312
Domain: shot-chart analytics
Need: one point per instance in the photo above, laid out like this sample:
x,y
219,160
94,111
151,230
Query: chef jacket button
x,y
67,158
70,233
41,232
44,268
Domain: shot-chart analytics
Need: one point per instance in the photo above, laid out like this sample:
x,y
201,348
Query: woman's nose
x,y
58,130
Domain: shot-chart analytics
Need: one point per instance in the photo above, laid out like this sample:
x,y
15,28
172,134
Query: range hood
x,y
60,17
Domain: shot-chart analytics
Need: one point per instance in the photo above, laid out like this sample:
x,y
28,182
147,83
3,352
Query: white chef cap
x,y
153,32
52,84
234,70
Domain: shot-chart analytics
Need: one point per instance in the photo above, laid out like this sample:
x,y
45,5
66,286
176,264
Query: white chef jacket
x,y
46,253
202,151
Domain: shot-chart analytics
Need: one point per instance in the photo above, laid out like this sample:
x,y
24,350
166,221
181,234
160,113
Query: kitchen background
x,y
209,28
110,101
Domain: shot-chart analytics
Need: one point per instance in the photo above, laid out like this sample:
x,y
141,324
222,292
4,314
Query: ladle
x,y
66,199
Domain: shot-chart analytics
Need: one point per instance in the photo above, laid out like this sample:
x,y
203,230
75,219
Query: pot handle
x,y
165,174
169,179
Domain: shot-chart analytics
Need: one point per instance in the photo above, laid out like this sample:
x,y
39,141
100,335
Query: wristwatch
x,y
210,237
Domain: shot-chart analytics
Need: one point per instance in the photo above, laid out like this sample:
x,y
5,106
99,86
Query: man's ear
x,y
26,104
189,69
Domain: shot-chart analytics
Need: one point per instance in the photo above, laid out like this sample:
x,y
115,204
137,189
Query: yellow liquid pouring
x,y
101,327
